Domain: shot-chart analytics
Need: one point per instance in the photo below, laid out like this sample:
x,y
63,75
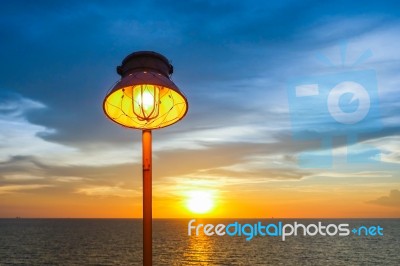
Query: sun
x,y
200,201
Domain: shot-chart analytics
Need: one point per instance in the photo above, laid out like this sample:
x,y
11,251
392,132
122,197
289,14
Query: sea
x,y
119,242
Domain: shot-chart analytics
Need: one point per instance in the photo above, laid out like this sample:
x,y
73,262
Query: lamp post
x,y
145,98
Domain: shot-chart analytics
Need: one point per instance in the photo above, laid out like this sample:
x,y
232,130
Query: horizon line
x,y
200,218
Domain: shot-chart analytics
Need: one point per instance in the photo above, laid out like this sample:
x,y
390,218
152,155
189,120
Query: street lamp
x,y
145,98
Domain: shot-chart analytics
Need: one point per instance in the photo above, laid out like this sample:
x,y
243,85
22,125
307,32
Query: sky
x,y
249,141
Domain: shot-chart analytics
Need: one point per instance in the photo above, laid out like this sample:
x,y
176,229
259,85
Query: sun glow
x,y
200,201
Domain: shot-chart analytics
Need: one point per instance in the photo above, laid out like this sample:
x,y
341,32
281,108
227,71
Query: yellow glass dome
x,y
145,97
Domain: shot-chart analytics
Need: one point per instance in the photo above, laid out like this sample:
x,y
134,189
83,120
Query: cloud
x,y
13,106
361,174
108,191
21,139
232,59
20,188
389,147
393,200
68,179
21,177
18,136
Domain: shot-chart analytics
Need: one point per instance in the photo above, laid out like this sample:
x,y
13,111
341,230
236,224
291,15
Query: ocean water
x,y
118,242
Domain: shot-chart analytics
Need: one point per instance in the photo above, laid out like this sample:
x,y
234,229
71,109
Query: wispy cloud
x,y
109,191
348,174
19,137
389,147
7,189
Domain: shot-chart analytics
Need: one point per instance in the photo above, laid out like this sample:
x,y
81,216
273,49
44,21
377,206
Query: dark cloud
x,y
393,200
64,55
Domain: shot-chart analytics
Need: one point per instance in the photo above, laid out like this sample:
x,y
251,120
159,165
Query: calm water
x,y
118,242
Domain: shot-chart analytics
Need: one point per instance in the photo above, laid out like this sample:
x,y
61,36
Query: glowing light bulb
x,y
146,102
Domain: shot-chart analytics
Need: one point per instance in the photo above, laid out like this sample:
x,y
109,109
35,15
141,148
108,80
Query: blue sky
x,y
233,60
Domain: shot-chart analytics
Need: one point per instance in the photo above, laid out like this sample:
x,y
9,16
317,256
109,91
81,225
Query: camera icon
x,y
344,104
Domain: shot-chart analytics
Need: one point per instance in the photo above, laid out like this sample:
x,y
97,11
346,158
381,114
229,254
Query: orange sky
x,y
262,92
264,202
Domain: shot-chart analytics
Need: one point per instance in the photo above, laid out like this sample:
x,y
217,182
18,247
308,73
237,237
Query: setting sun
x,y
200,201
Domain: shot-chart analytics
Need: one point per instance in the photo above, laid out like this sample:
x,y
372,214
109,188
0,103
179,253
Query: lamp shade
x,y
145,97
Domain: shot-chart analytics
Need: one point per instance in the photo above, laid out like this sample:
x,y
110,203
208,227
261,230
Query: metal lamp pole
x,y
147,197
145,98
